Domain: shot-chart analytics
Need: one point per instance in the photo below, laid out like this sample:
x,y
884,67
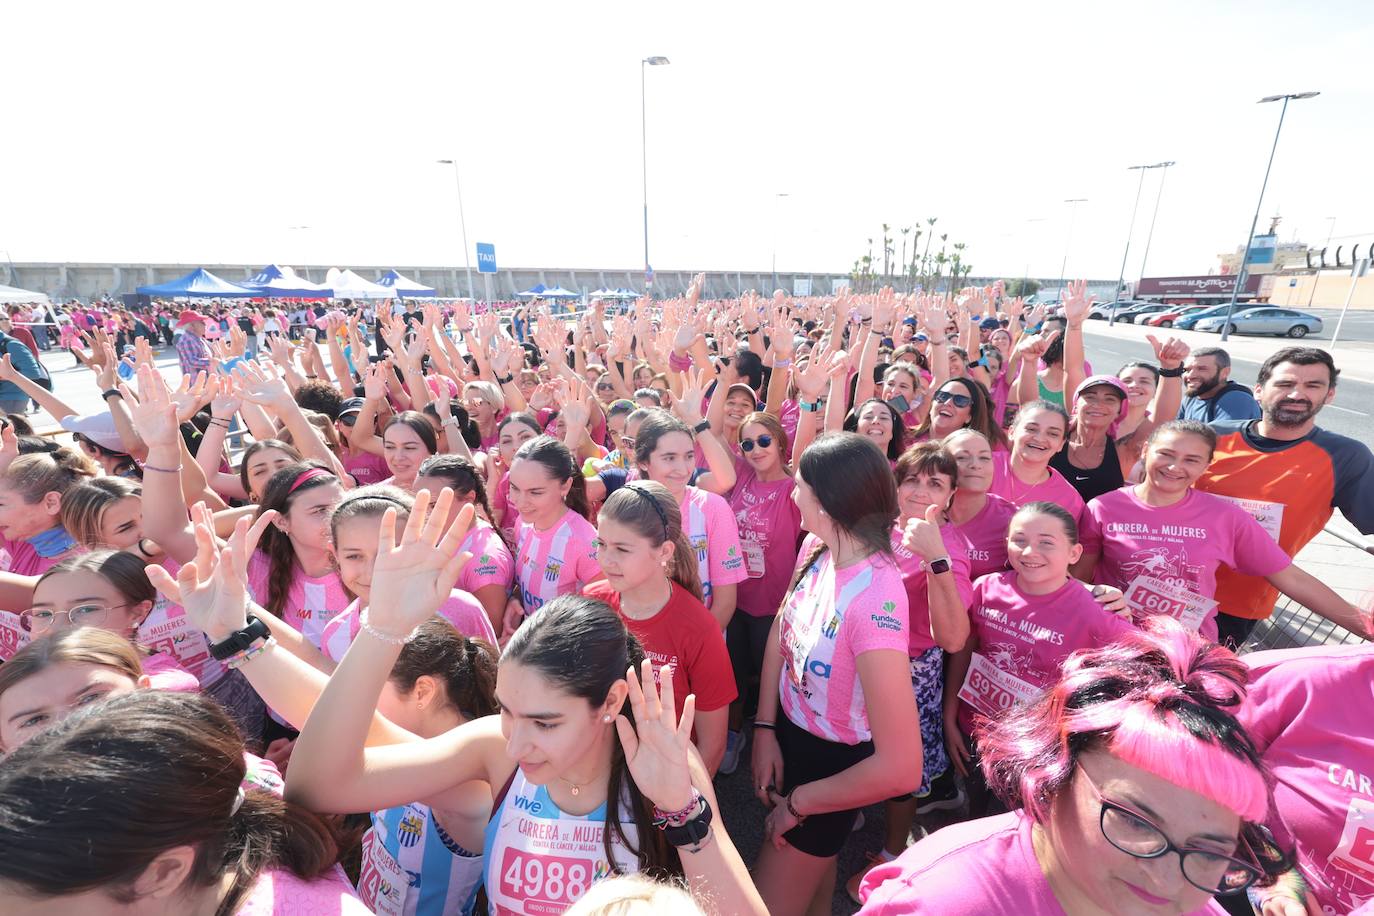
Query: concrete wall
x,y
89,280
1331,289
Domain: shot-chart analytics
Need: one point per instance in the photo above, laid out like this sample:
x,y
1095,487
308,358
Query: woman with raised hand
x,y
824,746
1162,540
156,791
651,581
961,403
591,778
419,857
1133,787
1024,475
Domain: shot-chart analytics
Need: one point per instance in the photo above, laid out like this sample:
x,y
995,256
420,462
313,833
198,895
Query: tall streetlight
x,y
1158,196
1121,277
1068,237
1330,231
776,203
644,152
462,224
1250,238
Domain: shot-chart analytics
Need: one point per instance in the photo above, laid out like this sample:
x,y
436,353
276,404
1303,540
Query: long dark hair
x,y
461,476
558,461
582,648
981,413
895,445
281,491
126,780
258,446
853,482
417,422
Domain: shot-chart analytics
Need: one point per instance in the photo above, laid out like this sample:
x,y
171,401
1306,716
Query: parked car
x,y
1267,320
1101,311
1130,315
1166,318
1189,322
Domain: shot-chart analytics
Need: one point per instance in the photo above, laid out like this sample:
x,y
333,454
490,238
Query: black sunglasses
x,y
960,400
747,445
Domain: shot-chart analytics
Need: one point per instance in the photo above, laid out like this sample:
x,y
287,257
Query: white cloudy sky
x,y
170,132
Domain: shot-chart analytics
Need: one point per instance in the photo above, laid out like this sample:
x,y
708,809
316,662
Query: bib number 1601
x,y
547,878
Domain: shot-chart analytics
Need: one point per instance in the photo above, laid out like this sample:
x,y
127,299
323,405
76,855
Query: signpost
x,y
486,258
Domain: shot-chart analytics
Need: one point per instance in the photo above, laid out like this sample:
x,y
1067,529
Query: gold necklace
x,y
574,787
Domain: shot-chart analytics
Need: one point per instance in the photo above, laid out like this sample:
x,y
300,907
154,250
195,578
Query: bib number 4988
x,y
547,878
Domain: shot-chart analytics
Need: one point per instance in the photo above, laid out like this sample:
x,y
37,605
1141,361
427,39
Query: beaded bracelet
x,y
682,815
239,659
377,634
679,363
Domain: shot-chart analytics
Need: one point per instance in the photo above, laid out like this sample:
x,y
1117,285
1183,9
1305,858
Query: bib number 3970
x,y
547,879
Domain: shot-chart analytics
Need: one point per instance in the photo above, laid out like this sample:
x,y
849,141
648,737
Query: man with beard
x,y
1289,474
1209,393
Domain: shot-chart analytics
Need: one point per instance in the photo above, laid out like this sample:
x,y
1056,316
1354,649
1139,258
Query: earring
x,y
606,719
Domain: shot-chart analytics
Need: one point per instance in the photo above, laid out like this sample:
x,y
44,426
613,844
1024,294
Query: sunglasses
x,y
747,445
960,400
348,419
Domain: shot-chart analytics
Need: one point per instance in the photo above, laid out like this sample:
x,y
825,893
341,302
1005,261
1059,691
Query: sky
x,y
299,132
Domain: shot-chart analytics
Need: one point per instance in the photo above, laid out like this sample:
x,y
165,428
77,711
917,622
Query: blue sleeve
x,y
613,478
1239,405
22,359
1352,466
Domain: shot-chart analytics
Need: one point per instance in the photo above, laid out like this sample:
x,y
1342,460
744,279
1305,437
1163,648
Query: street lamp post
x,y
776,198
1330,231
1250,238
655,61
1121,277
1068,237
462,224
1159,195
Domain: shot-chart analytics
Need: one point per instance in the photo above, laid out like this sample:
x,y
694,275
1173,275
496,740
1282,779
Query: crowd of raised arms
x,y
471,615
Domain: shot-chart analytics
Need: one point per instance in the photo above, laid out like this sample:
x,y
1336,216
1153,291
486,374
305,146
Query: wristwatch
x,y
701,427
1175,372
938,566
242,639
505,381
809,406
692,832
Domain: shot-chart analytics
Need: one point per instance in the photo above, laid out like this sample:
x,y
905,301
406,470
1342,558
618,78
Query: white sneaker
x,y
734,747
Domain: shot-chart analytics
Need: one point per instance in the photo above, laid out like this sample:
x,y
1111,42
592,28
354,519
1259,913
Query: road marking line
x,y
1105,350
1358,413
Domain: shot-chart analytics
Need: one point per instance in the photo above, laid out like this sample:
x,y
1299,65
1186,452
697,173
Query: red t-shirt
x,y
685,636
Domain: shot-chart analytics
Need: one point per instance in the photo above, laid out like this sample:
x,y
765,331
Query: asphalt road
x,y
1350,414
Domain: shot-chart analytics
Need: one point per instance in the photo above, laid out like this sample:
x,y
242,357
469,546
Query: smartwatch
x,y
240,640
701,427
939,566
692,832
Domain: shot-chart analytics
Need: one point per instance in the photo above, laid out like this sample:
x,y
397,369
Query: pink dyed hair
x,y
1162,699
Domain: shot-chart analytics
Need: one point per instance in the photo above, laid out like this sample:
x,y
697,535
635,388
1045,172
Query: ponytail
x,y
649,510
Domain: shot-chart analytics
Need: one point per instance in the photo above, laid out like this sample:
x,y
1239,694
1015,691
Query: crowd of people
x,y
420,611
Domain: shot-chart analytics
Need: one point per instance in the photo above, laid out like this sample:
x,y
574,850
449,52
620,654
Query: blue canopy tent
x,y
198,284
283,283
535,290
405,287
558,292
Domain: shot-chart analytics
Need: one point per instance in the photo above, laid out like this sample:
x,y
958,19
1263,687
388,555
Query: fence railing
x,y
1293,625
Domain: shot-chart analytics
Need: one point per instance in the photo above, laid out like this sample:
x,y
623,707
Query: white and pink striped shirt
x,y
461,609
558,561
710,526
829,620
311,601
491,562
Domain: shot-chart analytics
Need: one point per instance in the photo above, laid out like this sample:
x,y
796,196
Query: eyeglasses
x,y
627,442
960,400
1134,835
42,620
605,387
747,445
349,419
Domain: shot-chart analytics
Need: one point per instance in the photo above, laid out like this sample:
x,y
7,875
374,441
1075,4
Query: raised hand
x,y
152,412
374,384
212,587
688,405
1170,353
226,401
257,386
656,745
1034,345
922,535
413,577
189,396
814,377
1077,301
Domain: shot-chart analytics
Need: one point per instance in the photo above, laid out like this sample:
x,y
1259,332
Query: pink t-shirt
x,y
280,893
789,415
710,528
559,561
491,562
769,525
20,557
165,674
1054,490
461,609
500,503
1181,544
970,869
986,534
1027,637
311,601
168,629
1309,713
366,468
829,620
913,570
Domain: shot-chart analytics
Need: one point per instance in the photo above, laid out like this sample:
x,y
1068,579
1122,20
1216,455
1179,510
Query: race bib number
x,y
1269,515
545,884
990,690
1148,596
382,883
1355,852
13,636
753,558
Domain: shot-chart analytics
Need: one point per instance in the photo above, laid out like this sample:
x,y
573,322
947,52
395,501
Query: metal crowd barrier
x,y
1293,626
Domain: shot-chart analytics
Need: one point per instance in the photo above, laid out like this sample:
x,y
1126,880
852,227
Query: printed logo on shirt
x,y
732,559
699,545
887,620
410,830
1162,562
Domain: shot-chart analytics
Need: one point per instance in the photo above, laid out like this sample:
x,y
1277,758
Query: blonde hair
x,y
635,895
84,505
34,476
488,392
